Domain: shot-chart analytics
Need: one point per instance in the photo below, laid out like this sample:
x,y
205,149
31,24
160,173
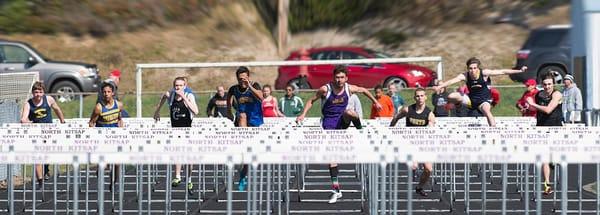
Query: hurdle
x,y
276,154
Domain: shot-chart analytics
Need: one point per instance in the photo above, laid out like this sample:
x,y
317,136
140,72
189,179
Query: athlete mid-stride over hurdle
x,y
480,96
334,100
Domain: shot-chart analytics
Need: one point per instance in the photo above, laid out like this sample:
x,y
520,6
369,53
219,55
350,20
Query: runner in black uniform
x,y
182,108
548,103
479,94
38,110
418,115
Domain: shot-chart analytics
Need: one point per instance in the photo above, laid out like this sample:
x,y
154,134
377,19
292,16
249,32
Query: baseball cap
x,y
116,73
530,82
569,77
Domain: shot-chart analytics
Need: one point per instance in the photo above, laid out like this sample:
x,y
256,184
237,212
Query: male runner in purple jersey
x,y
334,99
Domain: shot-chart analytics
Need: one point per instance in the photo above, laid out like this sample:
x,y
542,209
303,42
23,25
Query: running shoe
x,y
175,182
40,183
46,176
548,190
415,175
190,188
335,196
421,192
243,183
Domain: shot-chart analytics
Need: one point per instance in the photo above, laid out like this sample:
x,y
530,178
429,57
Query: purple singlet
x,y
333,107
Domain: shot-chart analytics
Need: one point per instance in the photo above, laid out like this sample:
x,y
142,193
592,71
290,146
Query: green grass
x,y
509,96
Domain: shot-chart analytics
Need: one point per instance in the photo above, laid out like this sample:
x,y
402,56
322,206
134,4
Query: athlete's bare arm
x,y
95,115
228,114
490,72
556,97
399,116
431,119
255,88
25,113
56,109
460,77
277,111
189,101
120,122
319,94
163,98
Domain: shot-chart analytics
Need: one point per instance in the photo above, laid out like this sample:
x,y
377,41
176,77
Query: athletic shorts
x,y
474,105
331,123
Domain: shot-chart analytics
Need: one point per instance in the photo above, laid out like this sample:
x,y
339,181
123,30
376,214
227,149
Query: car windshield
x,y
546,38
377,54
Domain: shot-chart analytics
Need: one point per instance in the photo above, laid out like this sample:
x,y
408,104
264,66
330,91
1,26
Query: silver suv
x,y
63,78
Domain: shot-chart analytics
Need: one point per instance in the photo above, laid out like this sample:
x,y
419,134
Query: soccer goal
x,y
145,67
14,91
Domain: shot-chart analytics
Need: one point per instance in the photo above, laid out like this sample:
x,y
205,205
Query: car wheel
x,y
397,81
300,83
65,91
558,76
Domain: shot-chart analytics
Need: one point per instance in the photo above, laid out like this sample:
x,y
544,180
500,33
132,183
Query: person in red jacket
x,y
522,105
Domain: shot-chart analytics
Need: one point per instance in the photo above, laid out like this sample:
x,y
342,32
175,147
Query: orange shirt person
x,y
386,103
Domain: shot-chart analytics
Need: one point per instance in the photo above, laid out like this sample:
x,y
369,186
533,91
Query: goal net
x,y
363,65
14,91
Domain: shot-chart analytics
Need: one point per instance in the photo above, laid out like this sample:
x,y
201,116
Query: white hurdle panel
x,y
281,141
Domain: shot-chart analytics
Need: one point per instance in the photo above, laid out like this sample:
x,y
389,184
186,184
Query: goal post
x,y
14,85
15,89
141,68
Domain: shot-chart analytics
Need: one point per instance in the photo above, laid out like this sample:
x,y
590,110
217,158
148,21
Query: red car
x,y
365,75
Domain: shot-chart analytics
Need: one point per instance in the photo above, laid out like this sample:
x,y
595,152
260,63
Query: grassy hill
x,y
120,34
211,31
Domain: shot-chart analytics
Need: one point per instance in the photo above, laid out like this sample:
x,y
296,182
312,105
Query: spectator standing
x,y
291,105
397,99
572,100
386,103
269,103
524,108
440,102
217,106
